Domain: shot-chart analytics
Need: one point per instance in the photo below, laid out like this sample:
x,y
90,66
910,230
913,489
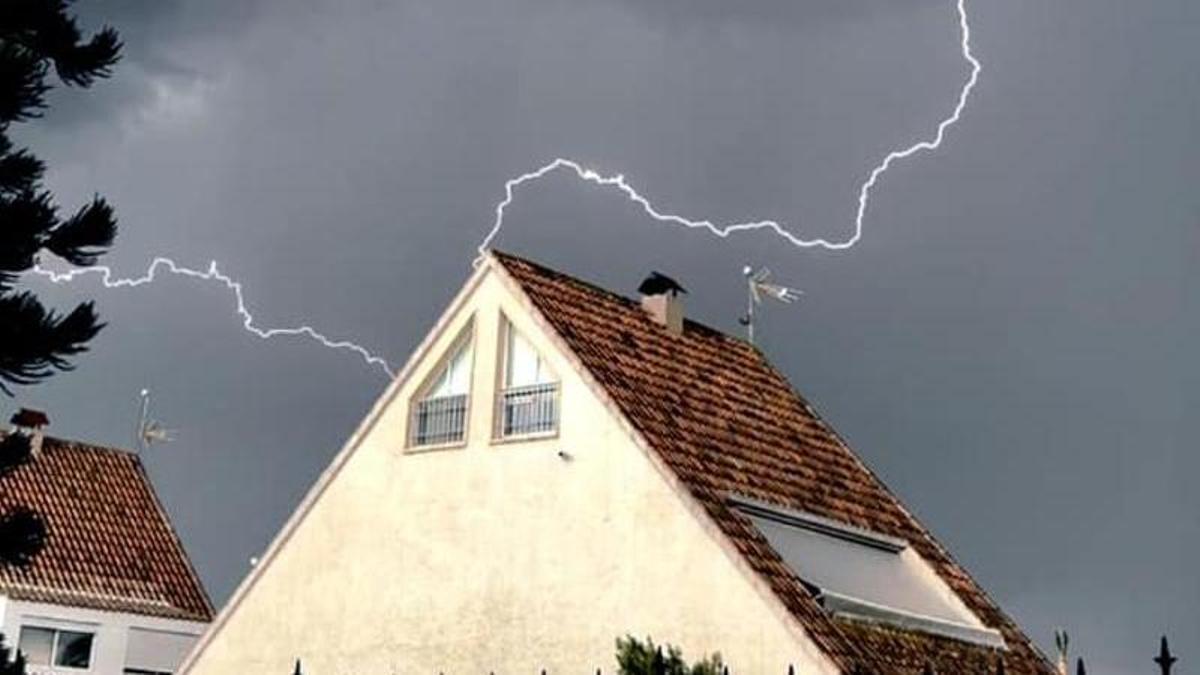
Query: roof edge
x,y
326,478
689,501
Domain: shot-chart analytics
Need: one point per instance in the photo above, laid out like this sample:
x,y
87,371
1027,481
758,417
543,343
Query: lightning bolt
x,y
619,183
616,182
109,280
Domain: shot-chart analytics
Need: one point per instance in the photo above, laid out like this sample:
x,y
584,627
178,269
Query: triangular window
x,y
529,397
439,415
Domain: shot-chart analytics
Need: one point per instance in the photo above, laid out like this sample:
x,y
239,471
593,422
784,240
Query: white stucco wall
x,y
110,656
499,556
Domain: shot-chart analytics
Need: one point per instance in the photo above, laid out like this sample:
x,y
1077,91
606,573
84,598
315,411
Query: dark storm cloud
x,y
154,34
1010,345
816,14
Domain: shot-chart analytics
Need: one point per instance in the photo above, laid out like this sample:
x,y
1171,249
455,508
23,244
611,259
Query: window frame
x,y
464,340
955,619
505,335
56,633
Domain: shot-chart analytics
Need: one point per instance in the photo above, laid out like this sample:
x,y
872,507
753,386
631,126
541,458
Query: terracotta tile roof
x,y
726,422
109,543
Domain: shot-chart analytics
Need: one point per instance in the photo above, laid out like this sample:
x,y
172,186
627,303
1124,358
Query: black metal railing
x,y
658,666
531,409
441,419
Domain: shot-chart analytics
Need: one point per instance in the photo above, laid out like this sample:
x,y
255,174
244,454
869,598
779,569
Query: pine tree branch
x,y
85,236
38,341
26,221
22,83
15,452
22,536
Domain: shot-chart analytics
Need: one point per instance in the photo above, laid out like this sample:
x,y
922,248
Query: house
x,y
557,466
112,592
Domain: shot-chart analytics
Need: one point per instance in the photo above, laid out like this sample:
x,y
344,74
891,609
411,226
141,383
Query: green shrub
x,y
635,657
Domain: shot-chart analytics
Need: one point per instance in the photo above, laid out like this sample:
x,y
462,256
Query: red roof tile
x,y
109,545
726,423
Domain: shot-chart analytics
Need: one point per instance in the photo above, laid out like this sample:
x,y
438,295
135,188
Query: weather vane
x,y
757,287
149,431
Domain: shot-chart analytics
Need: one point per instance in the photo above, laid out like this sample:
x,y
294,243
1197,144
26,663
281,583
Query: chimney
x,y
660,300
29,422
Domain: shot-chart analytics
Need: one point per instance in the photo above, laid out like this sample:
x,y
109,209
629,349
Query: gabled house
x,y
112,592
557,466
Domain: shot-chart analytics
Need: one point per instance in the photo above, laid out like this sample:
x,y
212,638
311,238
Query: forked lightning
x,y
616,182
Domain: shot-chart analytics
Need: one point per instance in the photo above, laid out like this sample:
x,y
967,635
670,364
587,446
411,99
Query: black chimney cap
x,y
30,419
659,284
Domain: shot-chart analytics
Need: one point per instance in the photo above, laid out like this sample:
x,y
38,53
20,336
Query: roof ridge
x,y
505,257
60,442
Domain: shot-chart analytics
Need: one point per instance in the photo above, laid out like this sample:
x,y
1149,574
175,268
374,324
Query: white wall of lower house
x,y
121,641
500,556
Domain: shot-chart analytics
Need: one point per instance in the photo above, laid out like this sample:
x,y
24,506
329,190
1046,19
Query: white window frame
x,y
464,341
964,625
551,384
57,631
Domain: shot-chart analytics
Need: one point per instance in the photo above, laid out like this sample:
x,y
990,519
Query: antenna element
x,y
149,431
757,287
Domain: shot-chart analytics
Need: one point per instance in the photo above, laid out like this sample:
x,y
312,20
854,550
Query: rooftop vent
x,y
660,300
26,418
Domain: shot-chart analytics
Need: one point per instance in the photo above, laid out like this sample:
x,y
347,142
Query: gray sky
x,y
1007,346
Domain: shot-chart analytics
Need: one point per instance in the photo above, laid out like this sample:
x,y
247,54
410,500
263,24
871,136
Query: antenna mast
x,y
756,287
148,431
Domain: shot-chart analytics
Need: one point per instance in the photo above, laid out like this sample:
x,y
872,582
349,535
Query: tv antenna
x,y
757,287
149,431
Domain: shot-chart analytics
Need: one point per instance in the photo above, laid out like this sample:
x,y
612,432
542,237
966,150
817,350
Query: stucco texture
x,y
500,557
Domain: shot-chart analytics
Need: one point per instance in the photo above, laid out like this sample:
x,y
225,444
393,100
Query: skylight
x,y
866,575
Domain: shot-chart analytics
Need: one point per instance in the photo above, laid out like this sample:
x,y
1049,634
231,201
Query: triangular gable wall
x,y
508,556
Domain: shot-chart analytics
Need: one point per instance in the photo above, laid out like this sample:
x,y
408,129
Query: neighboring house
x,y
113,591
558,466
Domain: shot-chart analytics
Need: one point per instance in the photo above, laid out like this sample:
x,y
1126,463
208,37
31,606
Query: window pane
x,y
859,571
36,644
74,649
455,377
524,366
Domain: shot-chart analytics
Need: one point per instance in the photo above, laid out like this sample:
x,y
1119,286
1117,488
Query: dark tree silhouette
x,y
36,37
22,531
9,665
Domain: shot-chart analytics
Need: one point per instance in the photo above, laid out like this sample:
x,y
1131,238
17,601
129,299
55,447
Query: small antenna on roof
x,y
149,431
757,287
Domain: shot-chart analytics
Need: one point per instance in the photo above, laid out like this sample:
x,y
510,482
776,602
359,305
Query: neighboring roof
x,y
727,423
109,545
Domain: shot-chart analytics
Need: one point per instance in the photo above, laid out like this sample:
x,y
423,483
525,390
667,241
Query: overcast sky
x,y
1011,345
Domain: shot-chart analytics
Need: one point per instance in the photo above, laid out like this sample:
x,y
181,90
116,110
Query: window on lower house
x,y
143,671
54,647
528,402
439,414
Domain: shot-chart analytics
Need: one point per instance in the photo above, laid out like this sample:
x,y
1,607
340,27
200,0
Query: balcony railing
x,y
531,409
442,419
